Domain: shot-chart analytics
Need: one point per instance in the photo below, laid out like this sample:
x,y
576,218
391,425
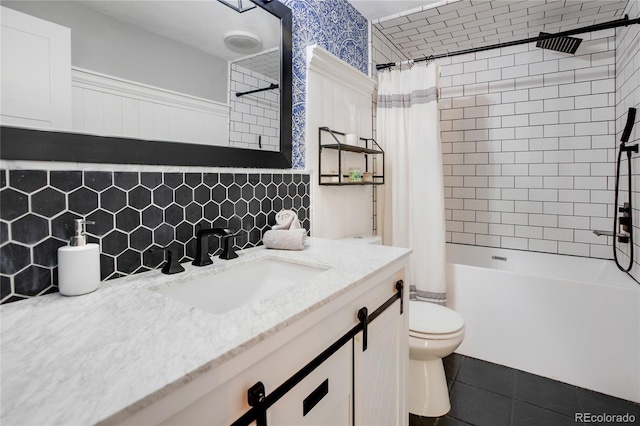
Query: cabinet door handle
x,y
315,397
400,288
363,317
255,396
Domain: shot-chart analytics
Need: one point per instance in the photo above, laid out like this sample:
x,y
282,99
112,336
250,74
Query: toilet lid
x,y
429,318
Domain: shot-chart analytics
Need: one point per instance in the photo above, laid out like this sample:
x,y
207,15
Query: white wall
x,y
333,86
107,45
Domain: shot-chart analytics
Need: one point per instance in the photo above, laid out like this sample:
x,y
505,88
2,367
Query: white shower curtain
x,y
412,212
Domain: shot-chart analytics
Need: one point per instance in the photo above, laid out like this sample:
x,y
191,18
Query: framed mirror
x,y
262,140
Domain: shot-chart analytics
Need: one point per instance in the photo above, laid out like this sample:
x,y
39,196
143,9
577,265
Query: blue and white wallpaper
x,y
339,28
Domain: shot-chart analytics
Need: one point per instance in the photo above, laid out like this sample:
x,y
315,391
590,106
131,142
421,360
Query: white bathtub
x,y
572,319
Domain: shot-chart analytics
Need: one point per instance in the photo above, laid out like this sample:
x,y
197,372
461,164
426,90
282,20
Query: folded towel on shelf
x,y
285,239
287,219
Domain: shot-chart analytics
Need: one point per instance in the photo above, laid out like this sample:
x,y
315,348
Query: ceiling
x,y
449,26
417,28
201,24
265,63
376,9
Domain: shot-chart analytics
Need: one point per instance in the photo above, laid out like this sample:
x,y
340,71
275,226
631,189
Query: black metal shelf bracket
x,y
260,402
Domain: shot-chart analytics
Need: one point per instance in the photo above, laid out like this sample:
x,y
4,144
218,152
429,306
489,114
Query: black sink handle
x,y
228,251
171,266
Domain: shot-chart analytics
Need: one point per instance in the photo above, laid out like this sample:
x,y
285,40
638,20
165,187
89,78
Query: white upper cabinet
x,y
35,86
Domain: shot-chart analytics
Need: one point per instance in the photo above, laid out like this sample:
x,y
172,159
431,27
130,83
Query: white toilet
x,y
434,333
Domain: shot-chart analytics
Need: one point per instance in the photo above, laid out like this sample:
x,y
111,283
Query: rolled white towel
x,y
281,239
286,219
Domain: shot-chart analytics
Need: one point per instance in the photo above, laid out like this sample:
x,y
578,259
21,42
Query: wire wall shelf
x,y
371,155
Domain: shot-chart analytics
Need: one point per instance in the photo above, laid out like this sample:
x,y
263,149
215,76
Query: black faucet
x,y
202,245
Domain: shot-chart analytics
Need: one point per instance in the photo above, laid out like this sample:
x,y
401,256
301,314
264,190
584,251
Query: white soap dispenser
x,y
79,263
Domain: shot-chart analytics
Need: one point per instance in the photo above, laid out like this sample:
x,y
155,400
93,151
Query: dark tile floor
x,y
487,394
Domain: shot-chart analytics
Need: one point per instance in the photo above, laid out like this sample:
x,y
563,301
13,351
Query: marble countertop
x,y
102,356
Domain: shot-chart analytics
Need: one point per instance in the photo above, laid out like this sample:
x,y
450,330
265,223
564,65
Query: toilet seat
x,y
431,321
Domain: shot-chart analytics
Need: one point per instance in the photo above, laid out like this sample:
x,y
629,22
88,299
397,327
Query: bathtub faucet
x,y
599,232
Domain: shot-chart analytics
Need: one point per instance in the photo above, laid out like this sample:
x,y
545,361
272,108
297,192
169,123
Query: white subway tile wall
x,y
628,95
529,137
256,115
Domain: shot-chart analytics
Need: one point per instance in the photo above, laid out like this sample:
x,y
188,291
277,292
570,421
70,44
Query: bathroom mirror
x,y
258,136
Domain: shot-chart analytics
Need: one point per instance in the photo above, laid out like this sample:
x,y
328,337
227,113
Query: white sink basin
x,y
229,289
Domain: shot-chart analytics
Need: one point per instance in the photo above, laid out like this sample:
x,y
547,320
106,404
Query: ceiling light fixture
x,y
242,41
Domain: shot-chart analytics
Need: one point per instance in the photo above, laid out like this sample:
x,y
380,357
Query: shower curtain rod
x,y
603,26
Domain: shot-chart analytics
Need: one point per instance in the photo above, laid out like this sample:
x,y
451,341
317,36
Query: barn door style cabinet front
x,y
345,363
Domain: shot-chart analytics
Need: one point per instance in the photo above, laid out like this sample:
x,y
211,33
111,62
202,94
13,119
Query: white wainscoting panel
x,y
111,106
333,87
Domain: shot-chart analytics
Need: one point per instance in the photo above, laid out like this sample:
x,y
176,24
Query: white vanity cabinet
x,y
324,397
36,72
378,372
351,386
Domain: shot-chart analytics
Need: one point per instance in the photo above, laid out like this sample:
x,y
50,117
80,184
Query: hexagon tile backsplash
x,y
133,212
